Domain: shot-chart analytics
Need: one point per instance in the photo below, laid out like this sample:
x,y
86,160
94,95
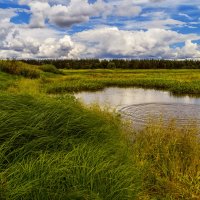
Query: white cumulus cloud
x,y
43,38
153,43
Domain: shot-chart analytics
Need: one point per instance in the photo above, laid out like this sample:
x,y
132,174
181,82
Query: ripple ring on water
x,y
184,114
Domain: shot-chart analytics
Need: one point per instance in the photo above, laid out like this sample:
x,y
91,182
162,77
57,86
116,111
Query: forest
x,y
118,64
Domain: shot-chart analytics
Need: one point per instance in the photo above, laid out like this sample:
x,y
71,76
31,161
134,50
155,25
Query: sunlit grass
x,y
56,81
26,86
170,158
52,147
176,81
6,80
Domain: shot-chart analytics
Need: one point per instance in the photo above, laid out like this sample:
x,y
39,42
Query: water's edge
x,y
140,104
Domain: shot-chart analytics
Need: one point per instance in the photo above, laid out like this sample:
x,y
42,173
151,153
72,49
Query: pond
x,y
139,105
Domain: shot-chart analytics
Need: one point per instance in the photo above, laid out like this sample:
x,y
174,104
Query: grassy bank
x,y
54,148
175,81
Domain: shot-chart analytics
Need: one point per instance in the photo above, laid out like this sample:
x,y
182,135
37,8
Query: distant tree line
x,y
118,64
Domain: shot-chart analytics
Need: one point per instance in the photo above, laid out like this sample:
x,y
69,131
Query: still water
x,y
139,105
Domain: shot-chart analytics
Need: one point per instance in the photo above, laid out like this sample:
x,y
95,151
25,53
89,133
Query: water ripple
x,y
185,114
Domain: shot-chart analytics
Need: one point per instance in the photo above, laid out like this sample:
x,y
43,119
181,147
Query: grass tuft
x,y
169,158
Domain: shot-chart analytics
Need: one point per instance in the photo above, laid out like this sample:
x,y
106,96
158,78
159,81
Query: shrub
x,y
19,68
111,65
50,68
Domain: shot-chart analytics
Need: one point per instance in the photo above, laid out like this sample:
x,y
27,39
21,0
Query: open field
x,y
52,147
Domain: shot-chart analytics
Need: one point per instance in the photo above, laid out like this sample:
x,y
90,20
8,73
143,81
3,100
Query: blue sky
x,y
138,29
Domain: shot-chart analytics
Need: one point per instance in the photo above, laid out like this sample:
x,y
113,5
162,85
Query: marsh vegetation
x,y
53,147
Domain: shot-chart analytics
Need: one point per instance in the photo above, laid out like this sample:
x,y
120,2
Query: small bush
x,y
19,68
50,68
111,65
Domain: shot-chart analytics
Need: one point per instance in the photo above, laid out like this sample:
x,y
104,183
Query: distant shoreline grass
x,y
176,81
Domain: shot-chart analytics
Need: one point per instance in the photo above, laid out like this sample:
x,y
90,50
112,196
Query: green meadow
x,y
53,147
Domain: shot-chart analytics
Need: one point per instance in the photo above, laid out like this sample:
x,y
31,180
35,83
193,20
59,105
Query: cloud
x,y
127,10
156,19
5,25
185,15
188,51
76,11
7,14
54,48
156,23
112,42
39,11
170,4
148,36
52,2
19,41
32,48
156,1
107,42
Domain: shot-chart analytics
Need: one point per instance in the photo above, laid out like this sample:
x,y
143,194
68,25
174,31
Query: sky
x,y
73,29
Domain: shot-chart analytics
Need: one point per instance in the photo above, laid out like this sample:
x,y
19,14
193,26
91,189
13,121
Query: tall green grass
x,y
55,149
169,158
6,81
